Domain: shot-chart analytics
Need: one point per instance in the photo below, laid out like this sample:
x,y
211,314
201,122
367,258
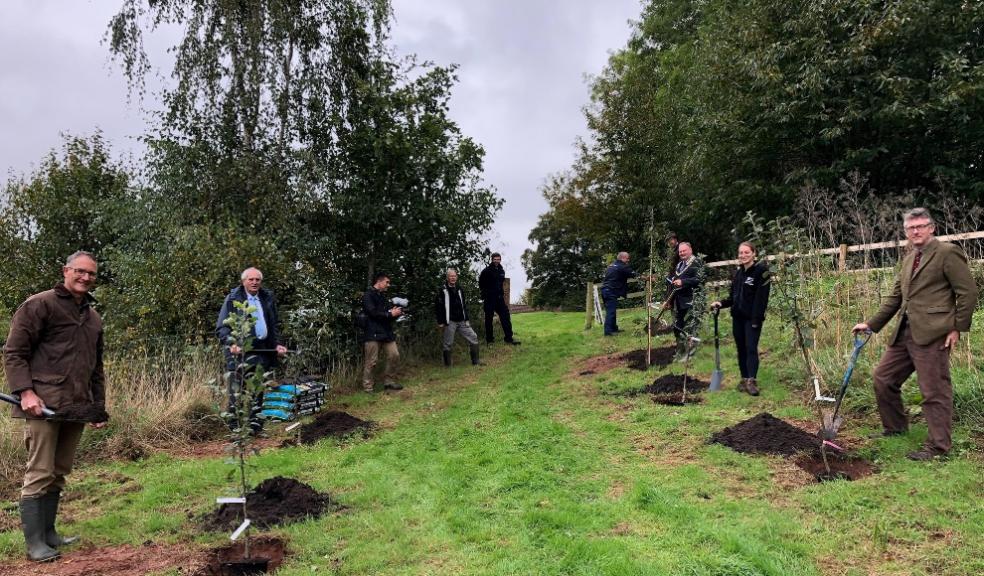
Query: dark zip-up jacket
x,y
449,305
378,324
269,305
490,282
749,297
55,347
616,279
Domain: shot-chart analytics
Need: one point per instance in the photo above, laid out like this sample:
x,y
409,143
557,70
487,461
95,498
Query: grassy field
x,y
525,467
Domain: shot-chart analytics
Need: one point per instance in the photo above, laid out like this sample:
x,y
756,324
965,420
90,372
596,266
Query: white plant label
x,y
235,500
239,530
292,426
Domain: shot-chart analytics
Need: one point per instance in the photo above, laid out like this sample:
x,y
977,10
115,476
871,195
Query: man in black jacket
x,y
379,316
688,301
615,286
493,299
266,349
452,316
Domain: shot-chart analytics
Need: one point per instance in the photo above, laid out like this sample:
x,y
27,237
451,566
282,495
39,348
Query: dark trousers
x,y
235,385
497,306
611,311
932,368
680,322
747,343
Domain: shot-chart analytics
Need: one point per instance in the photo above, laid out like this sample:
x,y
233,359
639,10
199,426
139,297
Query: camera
x,y
404,305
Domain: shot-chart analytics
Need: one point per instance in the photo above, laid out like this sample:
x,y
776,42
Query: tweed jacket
x,y
938,297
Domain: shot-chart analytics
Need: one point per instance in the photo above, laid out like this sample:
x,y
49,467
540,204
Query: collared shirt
x,y
260,327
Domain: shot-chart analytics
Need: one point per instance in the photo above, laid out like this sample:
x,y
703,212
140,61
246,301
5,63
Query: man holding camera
x,y
378,317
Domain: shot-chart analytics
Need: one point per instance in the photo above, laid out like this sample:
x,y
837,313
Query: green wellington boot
x,y
32,522
50,506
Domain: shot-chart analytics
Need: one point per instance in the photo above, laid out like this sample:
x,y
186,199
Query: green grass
x,y
523,467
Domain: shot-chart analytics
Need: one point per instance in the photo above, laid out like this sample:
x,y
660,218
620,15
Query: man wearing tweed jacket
x,y
935,296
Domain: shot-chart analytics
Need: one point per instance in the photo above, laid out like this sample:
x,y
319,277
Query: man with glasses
x,y
935,296
53,361
266,349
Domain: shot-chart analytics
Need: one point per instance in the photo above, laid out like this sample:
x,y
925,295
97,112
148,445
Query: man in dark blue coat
x,y
615,286
266,349
490,283
378,315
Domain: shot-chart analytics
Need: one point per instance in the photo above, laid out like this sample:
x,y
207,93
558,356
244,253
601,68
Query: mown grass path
x,y
524,467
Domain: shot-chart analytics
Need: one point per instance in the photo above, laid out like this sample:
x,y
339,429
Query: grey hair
x,y
620,254
918,213
243,275
450,270
78,254
685,243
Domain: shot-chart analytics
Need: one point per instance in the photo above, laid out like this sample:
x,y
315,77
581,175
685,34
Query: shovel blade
x,y
716,378
830,427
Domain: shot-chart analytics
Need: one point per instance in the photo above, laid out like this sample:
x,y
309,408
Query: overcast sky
x,y
522,68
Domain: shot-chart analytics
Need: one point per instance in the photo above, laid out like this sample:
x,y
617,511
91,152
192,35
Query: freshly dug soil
x,y
276,500
841,467
660,357
266,554
81,413
678,399
658,329
332,424
766,434
672,384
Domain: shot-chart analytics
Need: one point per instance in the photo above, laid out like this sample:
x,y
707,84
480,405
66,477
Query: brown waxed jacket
x,y
55,347
939,297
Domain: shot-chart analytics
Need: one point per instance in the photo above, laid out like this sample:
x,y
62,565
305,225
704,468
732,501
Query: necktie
x,y
915,262
260,327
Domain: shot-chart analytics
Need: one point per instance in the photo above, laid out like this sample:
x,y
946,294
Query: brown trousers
x,y
932,368
371,352
50,454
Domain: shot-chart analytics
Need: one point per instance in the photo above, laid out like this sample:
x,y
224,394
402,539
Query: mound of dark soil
x,y
660,357
678,399
841,467
266,554
81,413
332,424
766,434
277,500
672,384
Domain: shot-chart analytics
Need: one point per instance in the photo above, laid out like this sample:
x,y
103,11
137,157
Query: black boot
x,y
447,357
32,522
51,537
474,355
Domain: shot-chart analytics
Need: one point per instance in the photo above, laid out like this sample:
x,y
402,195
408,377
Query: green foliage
x,y
716,107
77,199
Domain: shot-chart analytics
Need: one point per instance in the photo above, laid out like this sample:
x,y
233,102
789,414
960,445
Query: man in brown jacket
x,y
935,296
53,360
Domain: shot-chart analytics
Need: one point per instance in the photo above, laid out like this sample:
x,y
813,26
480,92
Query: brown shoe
x,y
742,385
751,388
924,455
886,434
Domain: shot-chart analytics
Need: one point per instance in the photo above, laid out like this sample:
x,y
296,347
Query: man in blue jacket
x,y
615,286
266,349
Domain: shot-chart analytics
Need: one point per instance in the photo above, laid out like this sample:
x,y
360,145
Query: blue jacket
x,y
616,279
269,305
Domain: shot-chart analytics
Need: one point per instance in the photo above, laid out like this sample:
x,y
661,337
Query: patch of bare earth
x,y
123,560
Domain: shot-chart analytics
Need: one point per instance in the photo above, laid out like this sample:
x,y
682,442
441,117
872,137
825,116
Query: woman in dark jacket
x,y
748,301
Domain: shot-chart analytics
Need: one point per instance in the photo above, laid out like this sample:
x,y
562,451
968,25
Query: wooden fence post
x,y
589,307
842,258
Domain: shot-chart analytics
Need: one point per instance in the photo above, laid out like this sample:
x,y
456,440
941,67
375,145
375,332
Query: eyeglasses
x,y
914,227
82,272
